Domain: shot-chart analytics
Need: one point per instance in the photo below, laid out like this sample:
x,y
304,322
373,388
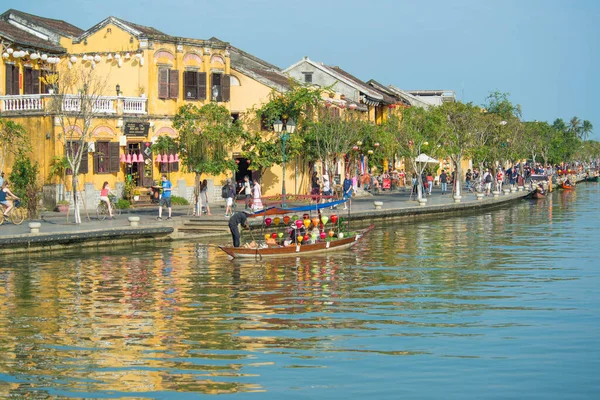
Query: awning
x,y
424,158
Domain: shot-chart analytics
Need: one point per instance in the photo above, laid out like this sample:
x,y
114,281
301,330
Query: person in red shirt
x,y
104,197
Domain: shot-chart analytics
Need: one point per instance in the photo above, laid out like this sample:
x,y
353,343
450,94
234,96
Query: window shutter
x,y
163,83
201,85
83,167
190,86
36,81
8,81
173,83
27,81
113,153
175,165
97,158
15,76
225,88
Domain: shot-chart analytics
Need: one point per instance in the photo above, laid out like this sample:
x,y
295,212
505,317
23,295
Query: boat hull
x,y
320,247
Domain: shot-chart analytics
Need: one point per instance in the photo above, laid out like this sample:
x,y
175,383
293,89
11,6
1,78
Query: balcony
x,y
36,104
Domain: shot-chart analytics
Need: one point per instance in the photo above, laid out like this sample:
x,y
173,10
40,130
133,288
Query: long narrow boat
x,y
537,194
566,186
591,178
298,249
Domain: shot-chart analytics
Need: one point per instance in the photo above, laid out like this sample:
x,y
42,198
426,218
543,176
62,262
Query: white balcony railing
x,y
72,103
27,102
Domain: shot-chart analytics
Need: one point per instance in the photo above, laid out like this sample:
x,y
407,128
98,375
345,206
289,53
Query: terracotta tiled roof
x,y
25,39
58,26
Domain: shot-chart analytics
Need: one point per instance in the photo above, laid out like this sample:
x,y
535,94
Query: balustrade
x,y
28,102
72,103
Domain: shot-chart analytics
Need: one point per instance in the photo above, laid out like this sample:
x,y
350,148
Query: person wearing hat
x,y
239,218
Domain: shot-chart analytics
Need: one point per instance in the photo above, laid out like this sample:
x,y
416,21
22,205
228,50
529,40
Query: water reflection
x,y
156,321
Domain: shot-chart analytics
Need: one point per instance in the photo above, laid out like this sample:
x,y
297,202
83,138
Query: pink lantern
x,y
299,223
122,157
134,158
171,158
323,235
268,222
176,157
128,159
159,158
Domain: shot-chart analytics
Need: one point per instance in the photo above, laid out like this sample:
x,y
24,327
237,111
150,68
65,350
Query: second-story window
x,y
168,83
220,87
11,80
307,77
194,85
31,81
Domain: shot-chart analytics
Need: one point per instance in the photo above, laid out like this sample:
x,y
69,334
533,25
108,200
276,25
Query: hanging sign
x,y
136,128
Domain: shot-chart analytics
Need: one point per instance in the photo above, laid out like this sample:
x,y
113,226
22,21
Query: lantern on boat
x,y
267,236
294,218
331,233
286,219
323,235
276,220
299,238
274,235
306,223
341,235
305,237
314,236
268,222
298,224
333,218
315,221
305,216
324,219
280,234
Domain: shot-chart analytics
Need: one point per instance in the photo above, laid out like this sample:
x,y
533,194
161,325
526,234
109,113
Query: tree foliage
x,y
13,140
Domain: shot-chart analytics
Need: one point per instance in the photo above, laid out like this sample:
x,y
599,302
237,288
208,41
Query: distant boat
x,y
591,178
567,186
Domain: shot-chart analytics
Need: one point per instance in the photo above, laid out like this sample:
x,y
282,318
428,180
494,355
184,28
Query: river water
x,y
499,305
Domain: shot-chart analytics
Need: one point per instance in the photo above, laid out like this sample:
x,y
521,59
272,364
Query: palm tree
x,y
575,126
586,129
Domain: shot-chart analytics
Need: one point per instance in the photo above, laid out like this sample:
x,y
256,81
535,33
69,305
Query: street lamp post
x,y
290,127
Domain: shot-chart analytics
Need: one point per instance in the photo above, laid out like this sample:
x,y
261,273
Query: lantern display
x,y
128,159
274,235
314,236
324,219
268,222
176,158
315,221
331,233
276,220
341,235
280,234
323,235
294,217
267,236
306,237
122,157
298,224
286,220
306,223
333,218
159,158
300,239
305,216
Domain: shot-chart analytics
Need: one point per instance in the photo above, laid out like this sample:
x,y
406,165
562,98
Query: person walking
x,y
444,181
347,194
247,190
499,179
229,194
104,197
165,198
204,197
239,218
429,182
468,177
257,196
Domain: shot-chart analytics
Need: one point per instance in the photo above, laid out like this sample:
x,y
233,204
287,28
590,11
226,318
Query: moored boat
x,y
538,194
591,178
567,186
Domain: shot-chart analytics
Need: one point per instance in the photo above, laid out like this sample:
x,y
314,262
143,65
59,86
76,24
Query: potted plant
x,y
136,195
63,206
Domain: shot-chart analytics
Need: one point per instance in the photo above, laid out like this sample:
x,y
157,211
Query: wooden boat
x,y
537,194
298,249
566,186
591,178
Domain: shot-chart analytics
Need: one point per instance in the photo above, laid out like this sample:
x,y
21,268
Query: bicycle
x,y
102,209
16,214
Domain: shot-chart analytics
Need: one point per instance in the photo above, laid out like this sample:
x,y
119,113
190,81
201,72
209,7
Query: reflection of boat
x,y
298,249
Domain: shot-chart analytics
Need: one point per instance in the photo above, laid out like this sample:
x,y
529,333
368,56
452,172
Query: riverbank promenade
x,y
54,228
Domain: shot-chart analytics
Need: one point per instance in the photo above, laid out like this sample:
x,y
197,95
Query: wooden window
x,y
28,81
11,80
71,148
194,85
215,87
102,158
113,151
163,83
307,77
225,88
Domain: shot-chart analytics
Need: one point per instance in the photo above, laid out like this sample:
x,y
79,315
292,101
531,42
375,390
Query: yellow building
x,y
145,74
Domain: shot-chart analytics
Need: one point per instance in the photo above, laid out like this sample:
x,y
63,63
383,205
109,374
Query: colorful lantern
x,y
314,236
315,221
331,233
134,158
286,219
306,223
176,157
122,157
274,235
171,159
268,222
267,236
300,239
305,216
324,219
323,235
294,217
128,159
298,224
276,220
280,234
341,235
306,237
159,158
333,218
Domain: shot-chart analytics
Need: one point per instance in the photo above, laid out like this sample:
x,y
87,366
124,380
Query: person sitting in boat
x,y
294,233
568,182
540,188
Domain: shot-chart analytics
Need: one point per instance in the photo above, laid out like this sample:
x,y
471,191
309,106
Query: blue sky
x,y
545,53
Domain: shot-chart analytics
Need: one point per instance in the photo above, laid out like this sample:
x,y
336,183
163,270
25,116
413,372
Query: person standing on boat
x,y
239,218
347,188
256,196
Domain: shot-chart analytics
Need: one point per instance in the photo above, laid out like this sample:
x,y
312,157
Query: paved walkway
x,y
397,202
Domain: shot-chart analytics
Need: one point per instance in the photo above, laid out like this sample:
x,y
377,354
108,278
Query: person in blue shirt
x,y
347,188
166,197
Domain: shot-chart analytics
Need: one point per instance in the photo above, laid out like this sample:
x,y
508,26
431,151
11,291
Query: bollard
x,y
479,195
422,202
34,227
506,191
378,204
457,198
134,221
521,188
495,193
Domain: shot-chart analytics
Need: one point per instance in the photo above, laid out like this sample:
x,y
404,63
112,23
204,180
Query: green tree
x,y
205,136
24,180
586,129
13,140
